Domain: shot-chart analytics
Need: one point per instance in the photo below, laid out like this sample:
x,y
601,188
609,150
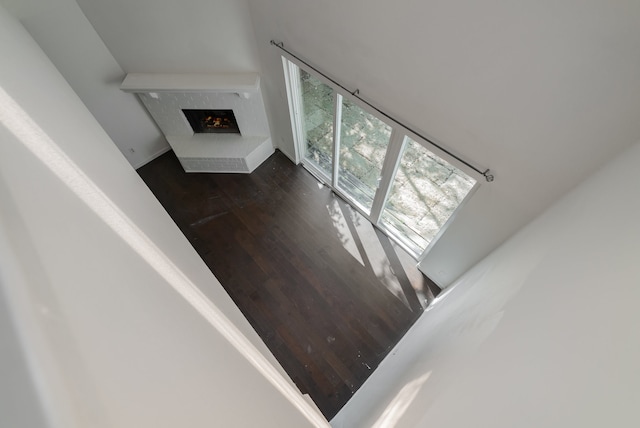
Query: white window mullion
x,y
337,123
296,112
391,162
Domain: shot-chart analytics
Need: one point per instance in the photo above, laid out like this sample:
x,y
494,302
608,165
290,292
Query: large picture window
x,y
392,176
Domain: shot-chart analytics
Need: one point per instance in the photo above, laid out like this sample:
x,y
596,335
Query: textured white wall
x,y
541,333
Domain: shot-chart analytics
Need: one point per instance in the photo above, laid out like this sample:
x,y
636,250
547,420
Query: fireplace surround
x,y
205,121
168,98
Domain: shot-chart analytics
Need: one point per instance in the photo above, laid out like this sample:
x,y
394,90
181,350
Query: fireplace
x,y
212,121
190,110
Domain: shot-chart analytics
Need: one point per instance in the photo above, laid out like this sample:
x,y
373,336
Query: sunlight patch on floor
x,y
342,230
360,239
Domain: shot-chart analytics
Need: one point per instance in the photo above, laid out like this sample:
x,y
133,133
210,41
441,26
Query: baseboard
x,y
153,156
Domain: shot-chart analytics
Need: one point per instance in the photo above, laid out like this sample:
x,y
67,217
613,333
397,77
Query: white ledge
x,y
214,82
220,152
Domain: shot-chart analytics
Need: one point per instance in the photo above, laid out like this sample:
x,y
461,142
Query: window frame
x,y
391,163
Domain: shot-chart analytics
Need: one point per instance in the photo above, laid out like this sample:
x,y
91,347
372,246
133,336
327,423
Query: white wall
x,y
71,43
541,333
190,36
540,92
20,405
105,336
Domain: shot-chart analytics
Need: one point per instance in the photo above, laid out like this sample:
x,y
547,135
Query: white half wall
x,y
541,333
107,339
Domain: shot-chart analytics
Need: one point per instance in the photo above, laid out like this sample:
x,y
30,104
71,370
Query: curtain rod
x,y
486,173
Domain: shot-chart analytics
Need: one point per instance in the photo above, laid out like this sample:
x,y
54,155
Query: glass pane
x,y
317,115
363,145
426,191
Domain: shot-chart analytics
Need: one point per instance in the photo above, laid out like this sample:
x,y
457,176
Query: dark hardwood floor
x,y
328,293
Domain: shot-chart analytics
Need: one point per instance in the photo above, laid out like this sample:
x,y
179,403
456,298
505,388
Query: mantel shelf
x,y
200,82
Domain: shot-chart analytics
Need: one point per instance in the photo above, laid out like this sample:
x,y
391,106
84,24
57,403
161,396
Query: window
x,y
363,145
392,176
317,122
426,191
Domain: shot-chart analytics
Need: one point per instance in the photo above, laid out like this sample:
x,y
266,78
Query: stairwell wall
x,y
106,341
542,332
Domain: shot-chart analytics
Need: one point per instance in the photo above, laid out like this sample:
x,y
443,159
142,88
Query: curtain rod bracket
x,y
489,177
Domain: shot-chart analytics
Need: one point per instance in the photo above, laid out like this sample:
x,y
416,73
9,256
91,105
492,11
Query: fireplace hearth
x,y
212,121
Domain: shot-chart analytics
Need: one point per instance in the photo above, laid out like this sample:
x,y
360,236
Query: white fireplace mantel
x,y
166,95
193,82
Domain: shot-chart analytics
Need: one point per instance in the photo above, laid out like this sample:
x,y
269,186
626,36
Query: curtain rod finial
x,y
488,176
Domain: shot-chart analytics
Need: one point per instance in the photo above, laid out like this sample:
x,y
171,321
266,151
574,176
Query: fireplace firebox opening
x,y
212,121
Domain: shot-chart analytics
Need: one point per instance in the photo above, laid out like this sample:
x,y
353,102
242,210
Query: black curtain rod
x,y
486,173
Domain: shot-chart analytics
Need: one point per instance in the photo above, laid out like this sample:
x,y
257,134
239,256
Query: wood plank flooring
x,y
328,293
